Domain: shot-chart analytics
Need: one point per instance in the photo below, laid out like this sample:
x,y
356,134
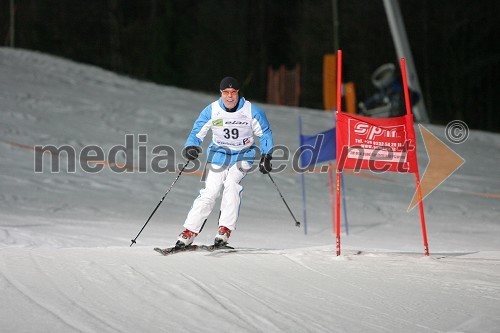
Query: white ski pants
x,y
218,177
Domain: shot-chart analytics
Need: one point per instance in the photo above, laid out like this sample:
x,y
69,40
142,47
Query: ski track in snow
x,y
33,299
65,263
80,289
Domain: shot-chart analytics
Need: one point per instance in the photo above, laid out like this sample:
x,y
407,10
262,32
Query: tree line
x,y
193,44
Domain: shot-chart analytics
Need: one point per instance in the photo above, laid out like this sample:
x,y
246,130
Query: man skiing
x,y
234,121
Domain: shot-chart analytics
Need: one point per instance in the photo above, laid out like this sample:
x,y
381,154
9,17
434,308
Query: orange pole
x,y
417,175
350,97
329,81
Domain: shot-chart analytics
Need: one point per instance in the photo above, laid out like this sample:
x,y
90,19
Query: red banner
x,y
376,144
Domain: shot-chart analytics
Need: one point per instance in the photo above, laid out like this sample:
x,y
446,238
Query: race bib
x,y
232,130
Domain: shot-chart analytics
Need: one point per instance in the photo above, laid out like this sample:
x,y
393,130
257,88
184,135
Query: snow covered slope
x,y
66,264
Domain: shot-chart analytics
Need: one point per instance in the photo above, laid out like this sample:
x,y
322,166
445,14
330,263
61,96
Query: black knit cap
x,y
229,82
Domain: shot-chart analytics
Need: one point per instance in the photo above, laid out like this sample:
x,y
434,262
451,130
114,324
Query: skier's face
x,y
229,97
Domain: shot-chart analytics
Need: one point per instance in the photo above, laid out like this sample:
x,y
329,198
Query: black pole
x,y
297,223
154,211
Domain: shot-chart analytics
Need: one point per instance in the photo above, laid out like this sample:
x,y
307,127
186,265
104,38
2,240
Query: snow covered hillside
x,y
66,264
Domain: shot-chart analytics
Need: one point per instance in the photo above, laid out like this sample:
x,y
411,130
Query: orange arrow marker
x,y
443,162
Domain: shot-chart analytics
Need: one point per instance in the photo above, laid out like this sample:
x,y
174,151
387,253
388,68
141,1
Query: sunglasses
x,y
226,92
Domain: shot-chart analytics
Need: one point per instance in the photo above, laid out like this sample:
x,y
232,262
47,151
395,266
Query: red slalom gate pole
x,y
339,109
332,194
417,174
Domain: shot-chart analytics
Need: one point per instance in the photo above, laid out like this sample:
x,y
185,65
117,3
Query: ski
x,y
208,248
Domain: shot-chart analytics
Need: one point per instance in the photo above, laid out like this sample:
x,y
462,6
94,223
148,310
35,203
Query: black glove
x,y
191,152
265,163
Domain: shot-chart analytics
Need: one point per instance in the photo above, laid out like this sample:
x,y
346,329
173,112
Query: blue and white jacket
x,y
232,132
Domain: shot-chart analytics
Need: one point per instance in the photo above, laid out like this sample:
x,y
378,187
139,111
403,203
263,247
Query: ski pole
x,y
297,223
154,211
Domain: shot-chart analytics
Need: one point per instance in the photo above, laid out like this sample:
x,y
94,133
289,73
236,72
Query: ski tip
x,y
209,248
163,251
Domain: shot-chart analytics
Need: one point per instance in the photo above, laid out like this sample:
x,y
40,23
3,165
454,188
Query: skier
x,y
234,121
